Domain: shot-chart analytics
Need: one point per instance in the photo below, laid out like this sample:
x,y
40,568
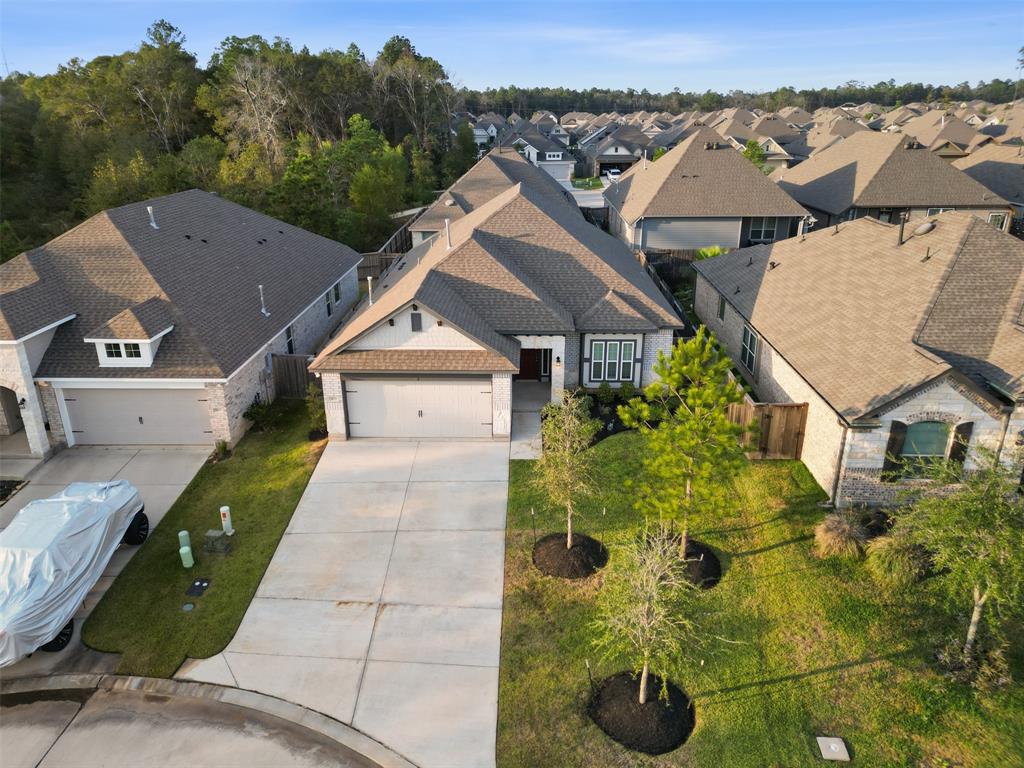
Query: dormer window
x,y
113,350
131,338
132,350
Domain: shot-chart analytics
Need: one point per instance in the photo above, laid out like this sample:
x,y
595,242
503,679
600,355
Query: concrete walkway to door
x,y
382,605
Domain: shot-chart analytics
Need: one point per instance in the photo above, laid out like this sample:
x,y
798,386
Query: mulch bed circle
x,y
586,557
704,571
654,728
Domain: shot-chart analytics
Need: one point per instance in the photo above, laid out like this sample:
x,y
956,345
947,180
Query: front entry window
x,y
612,360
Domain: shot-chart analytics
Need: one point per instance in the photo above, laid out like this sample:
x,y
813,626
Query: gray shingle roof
x,y
203,265
865,320
139,322
518,264
998,167
418,361
692,180
496,172
878,170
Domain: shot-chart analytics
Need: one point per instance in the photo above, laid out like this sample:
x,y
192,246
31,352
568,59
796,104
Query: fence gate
x,y
780,428
291,375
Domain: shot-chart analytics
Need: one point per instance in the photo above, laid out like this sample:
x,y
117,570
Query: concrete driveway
x,y
382,605
159,473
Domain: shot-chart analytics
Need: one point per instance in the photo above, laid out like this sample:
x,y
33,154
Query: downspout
x,y
841,463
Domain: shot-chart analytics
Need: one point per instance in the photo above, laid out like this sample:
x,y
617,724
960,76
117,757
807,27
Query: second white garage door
x,y
138,416
419,407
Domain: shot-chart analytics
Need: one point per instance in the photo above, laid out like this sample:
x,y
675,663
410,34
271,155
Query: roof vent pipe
x,y
448,231
903,223
152,218
263,305
369,288
645,159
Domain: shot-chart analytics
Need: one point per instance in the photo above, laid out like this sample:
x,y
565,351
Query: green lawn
x,y
816,650
590,183
141,617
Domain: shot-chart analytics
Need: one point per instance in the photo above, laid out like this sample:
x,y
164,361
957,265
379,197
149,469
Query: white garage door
x,y
421,407
138,416
687,234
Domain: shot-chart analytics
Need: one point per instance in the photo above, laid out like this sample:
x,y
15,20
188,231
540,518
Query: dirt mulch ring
x,y
317,434
653,728
586,557
703,567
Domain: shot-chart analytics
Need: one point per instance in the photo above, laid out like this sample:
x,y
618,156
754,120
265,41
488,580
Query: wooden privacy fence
x,y
375,264
779,428
291,375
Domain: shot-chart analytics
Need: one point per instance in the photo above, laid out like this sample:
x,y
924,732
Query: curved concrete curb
x,y
343,734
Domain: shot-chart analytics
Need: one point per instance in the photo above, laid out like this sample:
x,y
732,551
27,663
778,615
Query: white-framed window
x,y
417,321
329,303
112,350
612,360
937,211
132,350
597,361
289,337
748,350
626,364
721,307
997,220
762,229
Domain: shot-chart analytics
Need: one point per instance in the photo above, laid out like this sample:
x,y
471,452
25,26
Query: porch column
x,y
16,375
557,369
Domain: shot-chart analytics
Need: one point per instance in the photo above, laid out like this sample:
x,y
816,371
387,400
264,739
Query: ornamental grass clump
x,y
840,535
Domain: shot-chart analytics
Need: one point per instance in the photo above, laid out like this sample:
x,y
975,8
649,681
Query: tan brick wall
x,y
334,404
16,375
48,397
778,382
659,341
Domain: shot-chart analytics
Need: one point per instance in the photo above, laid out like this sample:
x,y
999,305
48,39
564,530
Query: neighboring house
x,y
155,322
885,175
547,154
775,127
912,350
521,289
737,134
619,149
498,171
1000,168
702,193
486,130
946,135
796,116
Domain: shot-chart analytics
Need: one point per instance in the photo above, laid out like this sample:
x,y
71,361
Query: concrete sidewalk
x,y
382,605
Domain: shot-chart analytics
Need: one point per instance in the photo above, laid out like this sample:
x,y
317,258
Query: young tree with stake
x,y
693,448
975,535
563,470
646,607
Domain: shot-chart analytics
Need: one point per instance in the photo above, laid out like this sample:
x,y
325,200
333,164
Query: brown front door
x,y
529,364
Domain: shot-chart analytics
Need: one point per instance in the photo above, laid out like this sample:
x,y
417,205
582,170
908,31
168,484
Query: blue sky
x,y
657,46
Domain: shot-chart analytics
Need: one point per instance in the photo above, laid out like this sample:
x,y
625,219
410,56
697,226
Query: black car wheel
x,y
60,642
138,530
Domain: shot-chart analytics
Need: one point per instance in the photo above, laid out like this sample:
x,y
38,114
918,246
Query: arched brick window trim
x,y
893,449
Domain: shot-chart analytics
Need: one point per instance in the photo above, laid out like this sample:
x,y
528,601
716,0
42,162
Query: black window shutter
x,y
891,467
961,439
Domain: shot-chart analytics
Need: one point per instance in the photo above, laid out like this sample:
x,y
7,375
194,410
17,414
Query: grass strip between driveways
x,y
141,614
816,651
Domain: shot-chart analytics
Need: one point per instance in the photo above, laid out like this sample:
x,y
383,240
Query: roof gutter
x,y
44,329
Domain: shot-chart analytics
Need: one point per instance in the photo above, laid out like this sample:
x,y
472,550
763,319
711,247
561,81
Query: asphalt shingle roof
x,y
865,320
998,167
202,265
692,180
517,264
879,170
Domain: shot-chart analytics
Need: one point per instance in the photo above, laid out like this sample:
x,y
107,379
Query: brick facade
x,y
16,370
659,341
501,404
334,404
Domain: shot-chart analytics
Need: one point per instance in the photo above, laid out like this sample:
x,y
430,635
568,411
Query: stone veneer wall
x,y
776,381
572,360
945,399
16,375
334,404
48,396
228,402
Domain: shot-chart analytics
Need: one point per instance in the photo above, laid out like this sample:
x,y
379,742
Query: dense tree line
x,y
331,141
525,101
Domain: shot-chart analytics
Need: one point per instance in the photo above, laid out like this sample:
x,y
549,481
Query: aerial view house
x,y
155,322
523,288
885,175
946,135
702,193
545,153
928,362
619,149
495,172
1000,168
